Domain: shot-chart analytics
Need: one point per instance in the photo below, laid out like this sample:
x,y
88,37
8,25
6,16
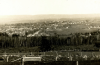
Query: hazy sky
x,y
33,7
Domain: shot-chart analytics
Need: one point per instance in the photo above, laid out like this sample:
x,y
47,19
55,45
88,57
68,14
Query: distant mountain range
x,y
8,19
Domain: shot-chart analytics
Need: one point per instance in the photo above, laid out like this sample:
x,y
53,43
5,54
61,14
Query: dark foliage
x,y
46,43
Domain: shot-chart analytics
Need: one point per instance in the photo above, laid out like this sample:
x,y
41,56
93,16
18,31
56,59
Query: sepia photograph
x,y
49,32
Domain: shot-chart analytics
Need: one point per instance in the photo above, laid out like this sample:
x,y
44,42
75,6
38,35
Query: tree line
x,y
47,42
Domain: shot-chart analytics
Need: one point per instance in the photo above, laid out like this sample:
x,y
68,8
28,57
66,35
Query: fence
x,y
56,56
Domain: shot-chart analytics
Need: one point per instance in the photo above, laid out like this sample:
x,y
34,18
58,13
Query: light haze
x,y
41,7
34,7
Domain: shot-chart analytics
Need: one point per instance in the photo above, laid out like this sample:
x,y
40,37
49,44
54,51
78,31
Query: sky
x,y
34,7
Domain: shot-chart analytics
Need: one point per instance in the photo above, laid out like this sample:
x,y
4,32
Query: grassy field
x,y
51,55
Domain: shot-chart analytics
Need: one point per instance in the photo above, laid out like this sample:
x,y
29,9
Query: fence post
x,y
31,53
56,56
22,61
44,53
76,62
7,58
68,53
18,53
81,54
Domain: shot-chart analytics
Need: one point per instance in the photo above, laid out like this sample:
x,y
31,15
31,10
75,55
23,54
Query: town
x,y
56,40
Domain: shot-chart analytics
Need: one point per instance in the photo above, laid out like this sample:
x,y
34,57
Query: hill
x,y
9,19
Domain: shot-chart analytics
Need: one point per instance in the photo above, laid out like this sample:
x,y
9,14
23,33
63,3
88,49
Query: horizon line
x,y
54,14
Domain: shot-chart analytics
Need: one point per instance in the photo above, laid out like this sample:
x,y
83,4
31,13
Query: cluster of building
x,y
32,28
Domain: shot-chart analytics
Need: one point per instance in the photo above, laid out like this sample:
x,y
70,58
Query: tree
x,y
45,45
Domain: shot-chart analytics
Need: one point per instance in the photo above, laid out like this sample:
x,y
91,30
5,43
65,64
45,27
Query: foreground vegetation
x,y
54,63
54,48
